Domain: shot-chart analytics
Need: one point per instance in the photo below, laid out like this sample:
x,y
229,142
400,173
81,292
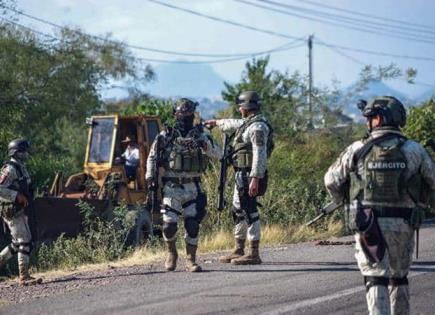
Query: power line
x,y
285,47
229,22
137,47
343,24
378,21
377,53
220,60
376,17
359,62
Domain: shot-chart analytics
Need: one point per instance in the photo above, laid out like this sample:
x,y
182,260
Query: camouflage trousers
x,y
21,241
180,199
399,239
245,228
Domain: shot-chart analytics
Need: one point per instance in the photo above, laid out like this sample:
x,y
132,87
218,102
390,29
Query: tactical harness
x,y
8,209
242,152
183,154
382,180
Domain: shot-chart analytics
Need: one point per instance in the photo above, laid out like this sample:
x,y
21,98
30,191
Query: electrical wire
x,y
225,21
374,22
371,16
137,47
351,26
288,46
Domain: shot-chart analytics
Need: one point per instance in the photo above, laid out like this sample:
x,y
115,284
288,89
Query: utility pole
x,y
310,81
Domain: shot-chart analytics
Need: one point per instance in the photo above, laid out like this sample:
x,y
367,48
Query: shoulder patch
x,y
259,138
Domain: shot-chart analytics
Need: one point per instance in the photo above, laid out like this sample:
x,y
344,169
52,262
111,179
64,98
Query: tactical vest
x,y
242,156
9,209
184,154
382,179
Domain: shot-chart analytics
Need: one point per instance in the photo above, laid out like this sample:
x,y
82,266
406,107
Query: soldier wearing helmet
x,y
380,179
252,145
183,152
15,196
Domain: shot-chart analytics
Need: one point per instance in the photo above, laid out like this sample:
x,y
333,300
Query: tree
x,y
420,124
281,94
49,86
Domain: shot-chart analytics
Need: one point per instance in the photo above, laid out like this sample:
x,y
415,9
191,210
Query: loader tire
x,y
142,230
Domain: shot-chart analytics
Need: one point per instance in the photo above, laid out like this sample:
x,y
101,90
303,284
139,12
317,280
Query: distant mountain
x,y
188,80
208,107
425,96
348,102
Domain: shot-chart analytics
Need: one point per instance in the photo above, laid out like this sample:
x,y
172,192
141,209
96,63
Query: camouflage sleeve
x,y
228,125
338,173
7,176
258,133
152,159
213,150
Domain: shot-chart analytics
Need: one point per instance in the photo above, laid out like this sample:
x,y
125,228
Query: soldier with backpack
x,y
384,179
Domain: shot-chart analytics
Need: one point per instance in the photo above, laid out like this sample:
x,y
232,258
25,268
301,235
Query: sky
x,y
146,23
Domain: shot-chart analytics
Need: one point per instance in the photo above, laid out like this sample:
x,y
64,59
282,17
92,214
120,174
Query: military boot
x,y
171,258
238,252
253,258
25,279
191,264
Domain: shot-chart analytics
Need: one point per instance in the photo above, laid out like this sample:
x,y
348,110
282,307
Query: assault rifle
x,y
327,209
223,174
153,189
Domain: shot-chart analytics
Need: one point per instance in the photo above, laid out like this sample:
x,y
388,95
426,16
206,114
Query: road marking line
x,y
310,302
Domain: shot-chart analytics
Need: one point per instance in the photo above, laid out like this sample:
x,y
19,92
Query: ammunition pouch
x,y
242,157
8,210
188,161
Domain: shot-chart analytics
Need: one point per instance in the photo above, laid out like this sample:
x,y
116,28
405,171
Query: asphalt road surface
x,y
296,279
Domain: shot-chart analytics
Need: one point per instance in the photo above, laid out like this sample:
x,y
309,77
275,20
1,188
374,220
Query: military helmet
x,y
391,110
249,100
185,107
18,145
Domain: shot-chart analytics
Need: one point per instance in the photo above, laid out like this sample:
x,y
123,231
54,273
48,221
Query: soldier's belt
x,y
392,212
181,180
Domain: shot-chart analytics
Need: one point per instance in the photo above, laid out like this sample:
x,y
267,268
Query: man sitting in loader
x,y
131,158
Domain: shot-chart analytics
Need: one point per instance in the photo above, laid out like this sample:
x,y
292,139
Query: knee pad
x,y
238,215
371,281
192,227
24,248
169,230
395,282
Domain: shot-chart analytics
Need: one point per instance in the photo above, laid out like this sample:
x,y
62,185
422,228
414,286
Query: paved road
x,y
295,279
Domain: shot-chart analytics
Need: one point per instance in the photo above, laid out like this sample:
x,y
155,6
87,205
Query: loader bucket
x,y
53,216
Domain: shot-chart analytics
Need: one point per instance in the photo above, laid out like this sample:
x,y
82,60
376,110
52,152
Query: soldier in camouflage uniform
x,y
252,136
379,177
14,198
183,152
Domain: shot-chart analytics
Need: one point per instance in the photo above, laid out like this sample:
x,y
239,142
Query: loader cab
x,y
105,149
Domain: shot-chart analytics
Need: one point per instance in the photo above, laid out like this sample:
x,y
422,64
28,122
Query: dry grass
x,y
272,235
